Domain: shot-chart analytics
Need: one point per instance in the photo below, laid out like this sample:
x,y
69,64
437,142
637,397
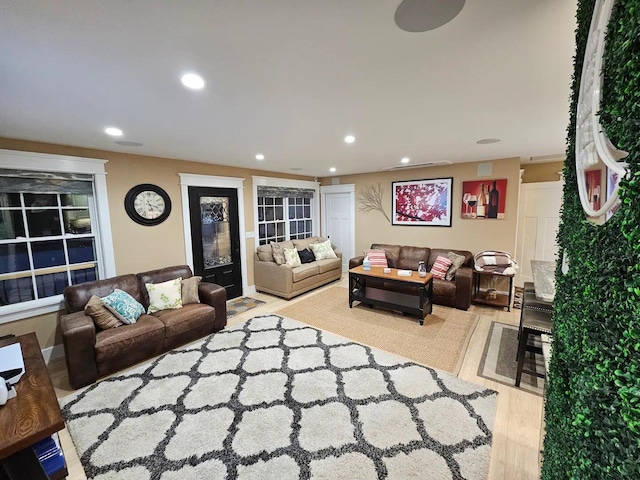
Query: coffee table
x,y
376,293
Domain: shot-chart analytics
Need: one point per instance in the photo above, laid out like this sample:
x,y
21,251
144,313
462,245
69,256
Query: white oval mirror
x,y
596,157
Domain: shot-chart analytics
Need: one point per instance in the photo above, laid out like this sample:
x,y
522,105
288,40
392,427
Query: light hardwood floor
x,y
517,430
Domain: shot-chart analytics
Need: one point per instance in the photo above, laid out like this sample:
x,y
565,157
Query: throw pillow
x,y
306,256
292,258
190,290
123,306
440,267
101,316
323,250
456,263
378,258
278,253
165,295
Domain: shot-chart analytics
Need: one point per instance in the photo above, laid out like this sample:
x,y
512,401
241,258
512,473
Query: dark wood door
x,y
215,237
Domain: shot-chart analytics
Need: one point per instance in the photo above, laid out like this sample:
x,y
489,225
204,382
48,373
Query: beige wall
x,y
464,234
136,247
542,172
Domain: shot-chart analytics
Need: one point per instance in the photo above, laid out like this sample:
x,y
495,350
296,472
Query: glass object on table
x,y
422,269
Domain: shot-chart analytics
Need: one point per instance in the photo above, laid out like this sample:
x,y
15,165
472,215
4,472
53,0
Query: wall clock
x,y
147,204
592,143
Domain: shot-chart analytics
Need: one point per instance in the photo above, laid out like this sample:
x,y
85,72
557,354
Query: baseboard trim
x,y
53,353
250,289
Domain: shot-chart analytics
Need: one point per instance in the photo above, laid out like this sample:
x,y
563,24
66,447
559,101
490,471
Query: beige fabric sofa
x,y
287,282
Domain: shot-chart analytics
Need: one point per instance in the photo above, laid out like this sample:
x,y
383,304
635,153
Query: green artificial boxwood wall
x,y
592,410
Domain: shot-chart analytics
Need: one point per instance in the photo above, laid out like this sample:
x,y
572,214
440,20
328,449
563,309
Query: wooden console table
x,y
418,304
483,296
33,415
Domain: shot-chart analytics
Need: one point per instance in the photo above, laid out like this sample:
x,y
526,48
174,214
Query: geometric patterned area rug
x,y
499,363
273,398
242,304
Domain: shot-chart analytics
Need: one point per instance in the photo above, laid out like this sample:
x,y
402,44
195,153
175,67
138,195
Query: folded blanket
x,y
495,262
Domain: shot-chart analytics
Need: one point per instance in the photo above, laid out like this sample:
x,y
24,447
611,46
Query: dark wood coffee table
x,y
418,304
34,414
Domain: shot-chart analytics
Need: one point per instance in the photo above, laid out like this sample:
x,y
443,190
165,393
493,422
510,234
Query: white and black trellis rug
x,y
276,399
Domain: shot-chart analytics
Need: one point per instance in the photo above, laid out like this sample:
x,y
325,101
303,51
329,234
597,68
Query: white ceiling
x,y
289,79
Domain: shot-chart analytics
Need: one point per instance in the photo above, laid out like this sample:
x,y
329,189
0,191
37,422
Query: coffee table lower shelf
x,y
402,302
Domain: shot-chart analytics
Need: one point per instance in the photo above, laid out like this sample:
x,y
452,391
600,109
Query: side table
x,y
34,414
485,296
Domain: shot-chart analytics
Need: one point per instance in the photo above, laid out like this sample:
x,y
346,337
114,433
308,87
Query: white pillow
x,y
165,295
323,250
291,257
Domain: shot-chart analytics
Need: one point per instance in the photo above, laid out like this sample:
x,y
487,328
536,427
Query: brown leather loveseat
x,y
91,352
451,293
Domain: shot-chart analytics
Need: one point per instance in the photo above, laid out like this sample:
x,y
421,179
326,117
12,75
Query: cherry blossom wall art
x,y
422,202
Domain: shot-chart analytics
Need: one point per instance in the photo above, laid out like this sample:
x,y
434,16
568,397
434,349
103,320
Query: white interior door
x,y
538,220
338,219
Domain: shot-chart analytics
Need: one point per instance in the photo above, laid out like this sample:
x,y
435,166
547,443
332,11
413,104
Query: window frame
x,y
286,183
105,259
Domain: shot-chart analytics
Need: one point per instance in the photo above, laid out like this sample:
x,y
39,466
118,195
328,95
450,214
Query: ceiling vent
x,y
558,157
417,165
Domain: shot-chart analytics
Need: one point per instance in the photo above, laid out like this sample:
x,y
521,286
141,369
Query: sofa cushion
x,y
456,263
189,287
161,275
165,295
277,250
102,317
291,257
392,252
265,253
411,256
440,267
444,288
329,264
323,250
147,331
189,317
304,271
77,296
123,306
302,243
306,256
377,257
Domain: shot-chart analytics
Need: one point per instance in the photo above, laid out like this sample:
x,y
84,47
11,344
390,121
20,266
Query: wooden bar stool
x,y
533,323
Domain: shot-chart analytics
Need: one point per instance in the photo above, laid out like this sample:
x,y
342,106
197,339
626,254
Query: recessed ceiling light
x,y
487,141
113,131
405,160
332,169
349,139
192,81
259,156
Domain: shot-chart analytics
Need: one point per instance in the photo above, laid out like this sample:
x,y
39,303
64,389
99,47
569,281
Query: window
x,y
285,209
54,230
46,243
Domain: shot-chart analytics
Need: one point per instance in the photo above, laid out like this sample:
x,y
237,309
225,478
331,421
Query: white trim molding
x,y
193,180
44,162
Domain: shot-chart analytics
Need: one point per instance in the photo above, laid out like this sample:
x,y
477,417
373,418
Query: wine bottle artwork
x,y
481,208
494,201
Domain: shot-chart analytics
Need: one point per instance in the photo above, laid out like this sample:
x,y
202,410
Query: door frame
x,y
351,190
194,180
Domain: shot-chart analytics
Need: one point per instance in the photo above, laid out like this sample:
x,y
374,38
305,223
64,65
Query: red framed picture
x,y
484,199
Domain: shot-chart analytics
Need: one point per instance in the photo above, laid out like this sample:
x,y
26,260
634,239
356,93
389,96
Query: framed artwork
x,y
612,180
484,199
422,202
593,179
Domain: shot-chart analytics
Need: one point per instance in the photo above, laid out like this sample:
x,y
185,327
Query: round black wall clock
x,y
147,204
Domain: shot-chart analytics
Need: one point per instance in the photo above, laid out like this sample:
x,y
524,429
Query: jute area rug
x,y
440,343
499,363
273,398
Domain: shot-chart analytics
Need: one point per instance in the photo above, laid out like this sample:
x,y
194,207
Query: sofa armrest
x,y
79,338
216,296
274,277
464,285
355,261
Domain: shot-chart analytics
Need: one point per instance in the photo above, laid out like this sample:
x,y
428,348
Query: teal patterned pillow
x,y
123,306
165,295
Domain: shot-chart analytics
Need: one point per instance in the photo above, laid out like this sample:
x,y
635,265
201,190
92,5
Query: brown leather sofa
x,y
451,293
92,353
